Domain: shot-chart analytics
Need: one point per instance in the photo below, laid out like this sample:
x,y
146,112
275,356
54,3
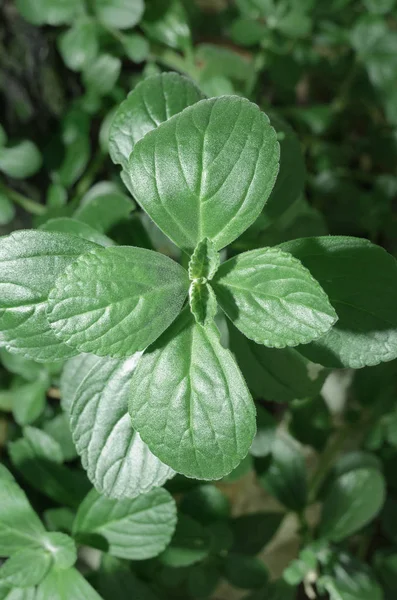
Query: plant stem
x,y
327,460
27,203
88,178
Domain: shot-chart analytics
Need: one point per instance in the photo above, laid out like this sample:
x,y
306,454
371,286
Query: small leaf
x,y
147,292
352,501
65,583
117,581
7,210
79,44
20,161
203,304
272,298
20,527
120,14
75,227
247,572
104,206
134,529
40,12
30,400
361,282
30,262
204,261
190,403
62,548
101,75
153,101
207,171
25,568
17,364
136,47
171,28
276,374
206,504
189,545
350,580
58,428
285,477
265,435
117,461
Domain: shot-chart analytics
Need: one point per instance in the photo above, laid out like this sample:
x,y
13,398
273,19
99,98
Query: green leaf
x,y
206,503
17,364
104,206
292,174
190,403
116,580
352,501
311,422
38,458
147,293
120,14
203,304
153,101
285,477
189,545
30,262
3,136
20,527
73,374
77,156
245,572
58,428
272,298
65,583
100,76
117,461
41,12
361,282
251,533
171,28
79,44
79,228
136,47
59,519
25,568
204,261
20,161
7,210
277,374
30,400
134,529
57,196
206,172
380,7
62,548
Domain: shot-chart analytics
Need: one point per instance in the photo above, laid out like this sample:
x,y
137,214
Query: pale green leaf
x,y
20,161
147,292
101,75
120,14
20,527
190,403
204,261
361,282
136,47
62,549
134,529
117,461
272,298
73,373
41,12
153,101
203,304
29,400
79,45
65,584
352,501
59,429
104,206
30,262
25,568
17,364
79,228
171,27
7,210
206,172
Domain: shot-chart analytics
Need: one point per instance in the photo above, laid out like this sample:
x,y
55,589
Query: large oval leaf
x,y
206,172
134,529
190,403
73,373
117,461
272,298
361,282
153,101
116,301
30,262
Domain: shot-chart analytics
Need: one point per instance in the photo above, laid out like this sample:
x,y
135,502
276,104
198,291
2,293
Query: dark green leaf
x,y
247,572
189,545
253,532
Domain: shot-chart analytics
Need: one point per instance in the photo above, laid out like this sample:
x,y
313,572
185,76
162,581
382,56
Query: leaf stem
x,y
27,203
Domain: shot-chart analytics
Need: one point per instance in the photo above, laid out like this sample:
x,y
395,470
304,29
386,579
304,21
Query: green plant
x,y
197,381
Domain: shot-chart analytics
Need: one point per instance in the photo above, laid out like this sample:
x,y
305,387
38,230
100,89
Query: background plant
x,y
324,72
